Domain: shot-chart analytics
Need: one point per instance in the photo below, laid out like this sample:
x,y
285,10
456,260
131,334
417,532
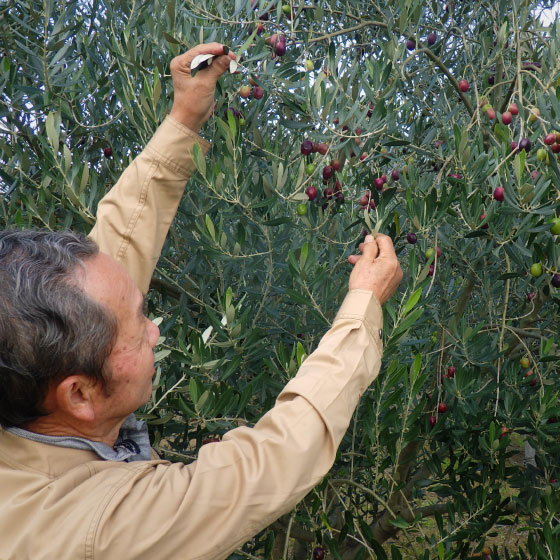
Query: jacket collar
x,y
133,442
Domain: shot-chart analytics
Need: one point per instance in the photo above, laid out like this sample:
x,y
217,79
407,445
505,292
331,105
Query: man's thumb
x,y
219,66
370,249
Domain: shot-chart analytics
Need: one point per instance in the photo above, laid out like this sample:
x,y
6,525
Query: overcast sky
x,y
548,15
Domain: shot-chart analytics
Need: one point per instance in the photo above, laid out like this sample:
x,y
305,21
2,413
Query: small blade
x,y
201,61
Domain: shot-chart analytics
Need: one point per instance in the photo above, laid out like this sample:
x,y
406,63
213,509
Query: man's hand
x,y
377,269
194,96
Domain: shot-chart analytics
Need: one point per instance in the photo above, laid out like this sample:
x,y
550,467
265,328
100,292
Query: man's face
x,y
131,362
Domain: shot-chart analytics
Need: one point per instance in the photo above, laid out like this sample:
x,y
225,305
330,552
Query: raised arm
x,y
134,217
238,486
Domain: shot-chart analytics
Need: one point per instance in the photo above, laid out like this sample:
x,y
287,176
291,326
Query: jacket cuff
x,y
171,145
364,306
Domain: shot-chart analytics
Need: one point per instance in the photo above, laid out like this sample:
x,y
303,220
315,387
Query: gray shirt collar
x,y
133,442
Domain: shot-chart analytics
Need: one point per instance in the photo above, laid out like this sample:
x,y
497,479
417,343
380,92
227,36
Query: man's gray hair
x,y
49,327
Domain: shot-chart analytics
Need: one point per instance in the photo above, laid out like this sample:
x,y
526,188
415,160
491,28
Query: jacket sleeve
x,y
133,218
239,486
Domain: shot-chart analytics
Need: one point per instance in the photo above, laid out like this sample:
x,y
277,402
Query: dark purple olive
x,y
280,48
411,44
411,238
306,147
432,37
555,280
318,553
525,144
327,172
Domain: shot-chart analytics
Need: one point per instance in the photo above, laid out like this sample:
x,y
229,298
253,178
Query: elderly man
x,y
78,479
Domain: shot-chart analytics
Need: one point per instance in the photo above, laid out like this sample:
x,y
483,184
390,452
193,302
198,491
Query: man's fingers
x,y
377,268
385,246
183,61
379,246
220,64
369,248
208,48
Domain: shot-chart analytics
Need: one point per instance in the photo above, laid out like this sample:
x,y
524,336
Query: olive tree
x,y
438,124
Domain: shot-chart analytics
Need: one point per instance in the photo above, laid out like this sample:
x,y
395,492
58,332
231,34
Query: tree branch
x,y
508,95
439,63
348,30
529,320
296,532
162,286
432,509
463,299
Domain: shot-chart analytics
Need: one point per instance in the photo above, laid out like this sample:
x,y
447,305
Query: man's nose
x,y
154,334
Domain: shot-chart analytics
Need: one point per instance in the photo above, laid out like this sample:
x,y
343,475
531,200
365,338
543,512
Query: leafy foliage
x,y
246,285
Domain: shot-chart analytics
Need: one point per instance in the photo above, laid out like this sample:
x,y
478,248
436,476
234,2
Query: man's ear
x,y
77,396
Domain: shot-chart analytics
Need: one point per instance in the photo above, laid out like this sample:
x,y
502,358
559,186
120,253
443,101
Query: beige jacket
x,y
61,503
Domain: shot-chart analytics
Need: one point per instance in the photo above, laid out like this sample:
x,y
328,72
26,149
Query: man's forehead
x,y
107,281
